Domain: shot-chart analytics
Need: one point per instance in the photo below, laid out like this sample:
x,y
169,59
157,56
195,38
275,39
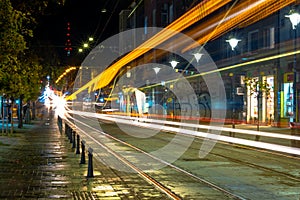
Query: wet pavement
x,y
38,162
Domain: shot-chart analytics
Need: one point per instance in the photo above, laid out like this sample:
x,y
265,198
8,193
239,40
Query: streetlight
x,y
85,45
295,19
233,42
174,63
198,56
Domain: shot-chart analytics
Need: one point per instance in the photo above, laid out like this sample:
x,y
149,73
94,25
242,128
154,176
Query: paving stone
x,y
38,162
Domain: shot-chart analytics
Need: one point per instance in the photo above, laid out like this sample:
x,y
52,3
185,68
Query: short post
x,y
71,135
59,122
82,160
78,144
66,128
90,172
73,139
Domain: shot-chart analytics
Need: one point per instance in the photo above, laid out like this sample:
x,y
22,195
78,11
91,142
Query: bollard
x,y
82,160
71,135
66,128
59,124
68,131
73,139
78,144
90,172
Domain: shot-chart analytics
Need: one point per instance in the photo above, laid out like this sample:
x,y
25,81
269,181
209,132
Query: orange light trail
x,y
245,13
195,14
65,73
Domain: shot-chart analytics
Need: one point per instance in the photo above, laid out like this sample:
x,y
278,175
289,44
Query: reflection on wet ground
x,y
38,162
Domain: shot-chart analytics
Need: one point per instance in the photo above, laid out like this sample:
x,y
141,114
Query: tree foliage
x,y
256,87
19,67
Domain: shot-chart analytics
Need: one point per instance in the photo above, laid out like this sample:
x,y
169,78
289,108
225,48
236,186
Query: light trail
x,y
145,175
65,73
200,11
148,178
234,130
257,144
245,12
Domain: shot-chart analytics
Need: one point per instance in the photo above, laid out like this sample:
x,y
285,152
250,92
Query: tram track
x,y
293,177
126,162
148,177
227,191
256,166
278,173
239,161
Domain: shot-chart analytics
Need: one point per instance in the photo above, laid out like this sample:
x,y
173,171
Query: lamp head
x,y
233,42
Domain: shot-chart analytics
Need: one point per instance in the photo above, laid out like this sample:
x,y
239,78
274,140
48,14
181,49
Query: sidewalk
x,y
38,162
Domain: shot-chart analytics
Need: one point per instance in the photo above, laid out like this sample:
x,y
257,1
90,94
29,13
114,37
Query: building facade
x,y
266,54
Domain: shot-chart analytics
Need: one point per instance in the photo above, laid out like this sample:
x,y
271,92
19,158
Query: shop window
x,y
288,99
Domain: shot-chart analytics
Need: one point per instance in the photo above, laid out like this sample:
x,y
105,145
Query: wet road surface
x,y
38,162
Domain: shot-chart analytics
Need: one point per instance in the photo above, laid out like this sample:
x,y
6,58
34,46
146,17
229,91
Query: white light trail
x,y
262,145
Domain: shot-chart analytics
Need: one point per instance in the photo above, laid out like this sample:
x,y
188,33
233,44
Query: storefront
x,y
287,96
260,103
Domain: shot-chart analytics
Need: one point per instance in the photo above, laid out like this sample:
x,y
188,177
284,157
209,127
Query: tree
x,y
258,88
12,44
19,69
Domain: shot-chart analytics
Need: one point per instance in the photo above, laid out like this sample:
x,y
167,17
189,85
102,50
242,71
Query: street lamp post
x,y
232,101
233,42
154,96
295,19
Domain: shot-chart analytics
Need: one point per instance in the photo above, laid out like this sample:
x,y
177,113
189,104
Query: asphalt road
x,y
227,171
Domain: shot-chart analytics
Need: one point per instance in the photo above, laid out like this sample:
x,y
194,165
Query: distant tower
x,y
68,44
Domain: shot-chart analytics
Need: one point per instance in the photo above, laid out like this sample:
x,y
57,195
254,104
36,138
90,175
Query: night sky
x,y
85,18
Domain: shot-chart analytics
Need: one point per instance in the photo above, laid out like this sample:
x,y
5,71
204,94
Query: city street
x,y
227,171
126,99
38,162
